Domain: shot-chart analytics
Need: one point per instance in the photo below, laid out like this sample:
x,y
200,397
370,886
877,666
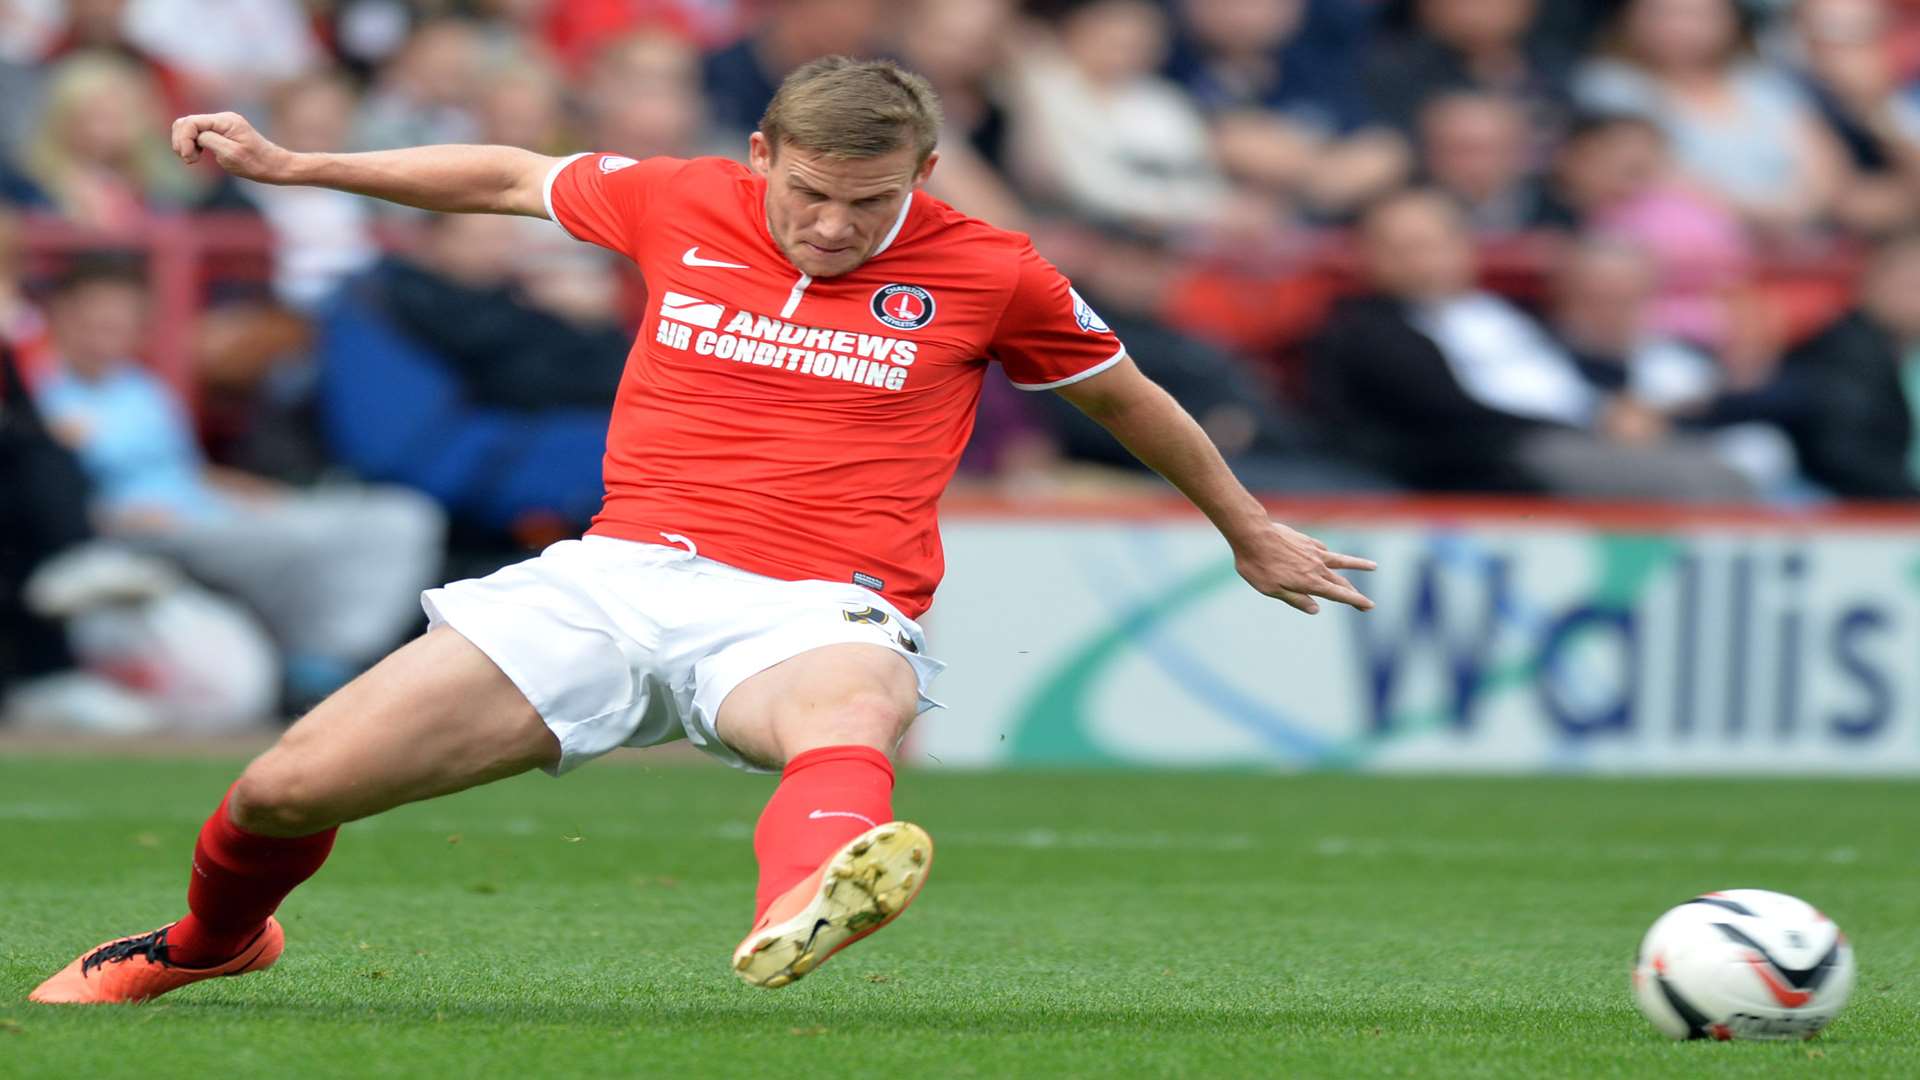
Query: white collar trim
x,y
898,223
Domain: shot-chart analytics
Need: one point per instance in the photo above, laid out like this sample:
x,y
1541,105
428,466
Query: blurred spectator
x,y
642,98
463,297
1098,130
99,154
1482,45
101,26
1476,147
1602,295
439,373
20,89
94,636
44,513
1444,386
741,79
1127,279
1604,291
321,236
1847,50
1849,395
230,51
523,105
960,47
366,34
1737,127
335,573
1615,177
29,27
577,29
426,94
1288,115
22,328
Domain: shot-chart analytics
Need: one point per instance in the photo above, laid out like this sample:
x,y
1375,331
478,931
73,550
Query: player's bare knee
x,y
273,798
868,718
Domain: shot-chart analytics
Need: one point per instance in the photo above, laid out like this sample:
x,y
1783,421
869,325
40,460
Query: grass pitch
x,y
1092,924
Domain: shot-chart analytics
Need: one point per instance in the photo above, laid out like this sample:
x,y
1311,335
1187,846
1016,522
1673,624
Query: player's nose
x,y
834,225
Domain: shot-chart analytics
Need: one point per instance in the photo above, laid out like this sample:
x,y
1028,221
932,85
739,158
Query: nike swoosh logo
x,y
818,925
691,258
817,814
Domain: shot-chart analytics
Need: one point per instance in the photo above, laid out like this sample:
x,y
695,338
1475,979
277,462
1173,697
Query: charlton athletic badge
x,y
903,307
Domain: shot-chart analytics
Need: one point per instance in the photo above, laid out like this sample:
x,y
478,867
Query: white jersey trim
x,y
1071,379
898,223
546,190
793,297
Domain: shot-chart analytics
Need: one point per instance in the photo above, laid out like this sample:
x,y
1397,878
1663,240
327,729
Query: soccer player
x,y
816,335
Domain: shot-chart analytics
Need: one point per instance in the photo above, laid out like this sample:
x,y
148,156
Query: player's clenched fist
x,y
233,143
1289,565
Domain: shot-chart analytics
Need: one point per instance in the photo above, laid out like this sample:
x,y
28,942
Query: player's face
x,y
829,214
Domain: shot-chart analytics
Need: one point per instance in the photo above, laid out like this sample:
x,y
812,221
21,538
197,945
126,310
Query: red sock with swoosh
x,y
826,797
239,878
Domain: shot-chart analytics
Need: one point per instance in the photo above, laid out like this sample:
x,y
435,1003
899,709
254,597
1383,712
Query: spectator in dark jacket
x,y
741,79
443,375
1277,81
1847,396
1480,45
1445,386
460,300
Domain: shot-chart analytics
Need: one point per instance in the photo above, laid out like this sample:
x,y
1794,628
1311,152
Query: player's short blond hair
x,y
847,108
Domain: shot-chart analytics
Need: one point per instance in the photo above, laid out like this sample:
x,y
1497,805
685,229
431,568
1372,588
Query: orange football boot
x,y
859,889
131,970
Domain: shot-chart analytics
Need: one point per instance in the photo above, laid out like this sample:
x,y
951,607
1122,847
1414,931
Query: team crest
x,y
1083,314
903,307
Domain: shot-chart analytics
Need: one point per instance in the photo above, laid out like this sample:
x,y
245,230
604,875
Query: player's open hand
x,y
233,143
1289,565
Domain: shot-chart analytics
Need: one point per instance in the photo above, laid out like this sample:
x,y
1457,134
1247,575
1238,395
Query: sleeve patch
x,y
1085,317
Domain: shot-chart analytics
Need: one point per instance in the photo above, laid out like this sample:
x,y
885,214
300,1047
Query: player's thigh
x,y
835,695
435,717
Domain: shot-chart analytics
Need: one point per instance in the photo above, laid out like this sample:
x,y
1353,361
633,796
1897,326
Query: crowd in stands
x,y
1606,249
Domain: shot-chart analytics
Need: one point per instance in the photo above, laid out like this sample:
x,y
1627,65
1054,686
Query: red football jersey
x,y
800,428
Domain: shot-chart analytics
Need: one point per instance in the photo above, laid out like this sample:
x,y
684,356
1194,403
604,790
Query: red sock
x,y
239,878
826,797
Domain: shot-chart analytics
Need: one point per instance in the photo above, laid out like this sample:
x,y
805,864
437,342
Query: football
x,y
1743,964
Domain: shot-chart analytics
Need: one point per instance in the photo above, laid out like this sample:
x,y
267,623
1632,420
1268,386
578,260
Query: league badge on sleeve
x,y
903,307
612,163
1083,314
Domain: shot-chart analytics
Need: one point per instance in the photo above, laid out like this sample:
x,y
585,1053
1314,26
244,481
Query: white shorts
x,y
619,643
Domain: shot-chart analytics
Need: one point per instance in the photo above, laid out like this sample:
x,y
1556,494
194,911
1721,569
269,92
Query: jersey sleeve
x,y
1048,337
603,198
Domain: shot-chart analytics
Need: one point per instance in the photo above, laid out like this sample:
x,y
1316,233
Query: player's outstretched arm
x,y
1279,561
450,179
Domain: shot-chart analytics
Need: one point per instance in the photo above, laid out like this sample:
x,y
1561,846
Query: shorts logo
x,y
868,614
613,163
903,307
1083,314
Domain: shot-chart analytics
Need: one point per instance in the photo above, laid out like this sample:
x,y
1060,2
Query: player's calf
x,y
433,718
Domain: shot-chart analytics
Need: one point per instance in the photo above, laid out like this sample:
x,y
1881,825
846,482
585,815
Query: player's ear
x,y
759,154
926,168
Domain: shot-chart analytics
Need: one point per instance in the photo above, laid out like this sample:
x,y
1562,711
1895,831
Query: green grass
x,y
1076,925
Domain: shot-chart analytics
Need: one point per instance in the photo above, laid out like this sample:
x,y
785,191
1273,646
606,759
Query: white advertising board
x,y
1503,643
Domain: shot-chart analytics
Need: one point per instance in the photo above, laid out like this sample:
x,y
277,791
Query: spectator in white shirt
x,y
1098,130
1444,385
